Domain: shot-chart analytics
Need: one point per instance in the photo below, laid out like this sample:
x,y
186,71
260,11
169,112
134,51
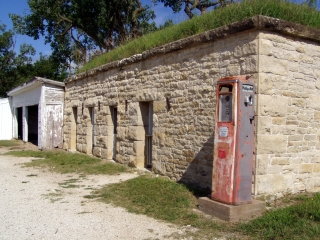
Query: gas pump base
x,y
231,213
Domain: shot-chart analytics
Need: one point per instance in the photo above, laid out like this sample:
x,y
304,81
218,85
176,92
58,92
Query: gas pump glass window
x,y
225,103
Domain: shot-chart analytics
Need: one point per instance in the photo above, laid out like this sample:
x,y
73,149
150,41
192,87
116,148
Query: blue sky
x,y
21,6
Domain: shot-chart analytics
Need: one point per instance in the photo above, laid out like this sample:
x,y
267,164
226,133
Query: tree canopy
x,y
13,67
191,5
77,29
17,68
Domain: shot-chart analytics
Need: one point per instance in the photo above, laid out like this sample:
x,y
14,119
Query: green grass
x,y
299,221
159,198
163,199
10,143
65,162
282,9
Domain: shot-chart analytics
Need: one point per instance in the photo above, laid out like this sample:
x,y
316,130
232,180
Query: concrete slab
x,y
232,213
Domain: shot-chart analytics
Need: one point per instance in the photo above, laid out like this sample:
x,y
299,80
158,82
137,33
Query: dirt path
x,y
34,205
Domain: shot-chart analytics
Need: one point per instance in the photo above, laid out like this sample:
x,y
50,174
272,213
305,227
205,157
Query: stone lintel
x,y
231,213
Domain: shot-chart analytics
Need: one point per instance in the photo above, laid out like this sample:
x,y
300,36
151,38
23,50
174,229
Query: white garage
x,y
37,108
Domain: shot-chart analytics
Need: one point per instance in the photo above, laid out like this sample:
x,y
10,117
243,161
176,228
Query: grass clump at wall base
x,y
156,197
10,143
300,14
64,162
299,221
153,196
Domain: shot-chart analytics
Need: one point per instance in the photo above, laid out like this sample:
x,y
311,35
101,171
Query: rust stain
x,y
233,144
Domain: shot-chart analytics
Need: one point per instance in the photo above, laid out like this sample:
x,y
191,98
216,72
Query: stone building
x,y
37,109
157,108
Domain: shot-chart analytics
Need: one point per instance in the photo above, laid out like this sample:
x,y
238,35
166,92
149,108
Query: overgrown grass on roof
x,y
301,14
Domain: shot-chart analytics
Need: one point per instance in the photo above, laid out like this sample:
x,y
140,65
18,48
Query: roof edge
x,y
256,22
35,81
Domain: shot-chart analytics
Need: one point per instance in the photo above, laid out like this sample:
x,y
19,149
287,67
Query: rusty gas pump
x,y
234,141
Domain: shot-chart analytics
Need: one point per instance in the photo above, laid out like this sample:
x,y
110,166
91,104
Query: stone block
x,y
280,161
278,120
96,152
313,103
299,102
273,65
271,144
136,133
264,123
121,133
265,84
274,169
274,106
310,137
159,106
317,116
306,168
273,183
262,162
139,148
295,138
233,70
266,47
231,213
316,167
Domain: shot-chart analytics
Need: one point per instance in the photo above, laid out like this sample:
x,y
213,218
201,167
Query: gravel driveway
x,y
34,206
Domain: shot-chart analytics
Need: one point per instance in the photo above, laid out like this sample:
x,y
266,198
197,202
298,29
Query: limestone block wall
x,y
180,85
288,109
172,89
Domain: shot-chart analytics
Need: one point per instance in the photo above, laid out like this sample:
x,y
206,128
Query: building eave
x,y
33,83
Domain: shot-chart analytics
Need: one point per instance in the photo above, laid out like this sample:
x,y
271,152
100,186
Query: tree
x,y
311,3
48,67
16,69
77,28
191,5
13,67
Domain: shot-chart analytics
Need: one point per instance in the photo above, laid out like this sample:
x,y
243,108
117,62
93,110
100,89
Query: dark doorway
x,y
33,124
114,115
19,122
147,118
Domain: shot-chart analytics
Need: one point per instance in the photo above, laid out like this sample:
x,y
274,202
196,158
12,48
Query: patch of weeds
x,y
298,221
69,183
32,175
92,196
10,143
162,199
84,212
65,162
54,197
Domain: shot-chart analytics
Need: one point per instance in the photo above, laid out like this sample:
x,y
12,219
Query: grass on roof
x,y
301,14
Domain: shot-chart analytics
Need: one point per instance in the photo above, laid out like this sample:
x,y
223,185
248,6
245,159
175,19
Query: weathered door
x,y
53,130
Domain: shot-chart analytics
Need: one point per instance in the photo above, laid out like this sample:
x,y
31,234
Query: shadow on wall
x,y
198,175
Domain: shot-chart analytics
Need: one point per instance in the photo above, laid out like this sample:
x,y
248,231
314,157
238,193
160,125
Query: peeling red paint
x,y
234,142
